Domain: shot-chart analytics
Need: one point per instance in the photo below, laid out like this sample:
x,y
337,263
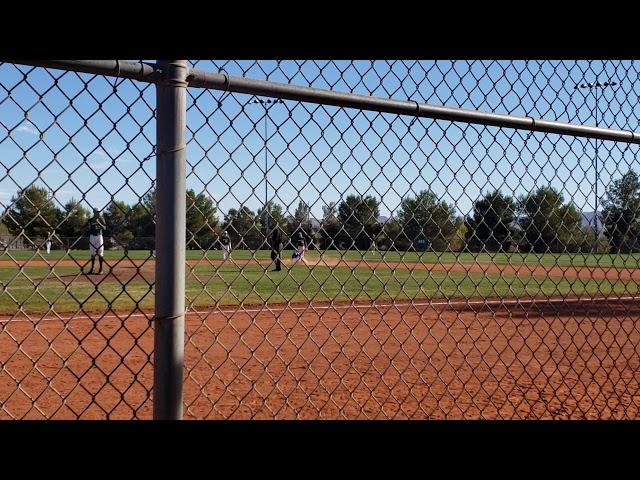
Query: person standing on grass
x,y
226,245
96,241
276,248
48,243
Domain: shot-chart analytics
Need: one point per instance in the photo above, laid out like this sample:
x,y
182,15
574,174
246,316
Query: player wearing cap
x,y
226,245
96,241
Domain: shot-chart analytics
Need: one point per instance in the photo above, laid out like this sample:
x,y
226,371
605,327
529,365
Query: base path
x,y
465,359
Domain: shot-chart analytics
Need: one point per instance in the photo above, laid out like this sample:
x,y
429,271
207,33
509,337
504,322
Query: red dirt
x,y
123,275
586,273
540,360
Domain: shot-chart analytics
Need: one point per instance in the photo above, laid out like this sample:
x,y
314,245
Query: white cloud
x,y
99,165
99,161
28,127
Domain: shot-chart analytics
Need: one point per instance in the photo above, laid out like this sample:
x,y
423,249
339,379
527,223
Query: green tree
x,y
141,224
584,241
329,227
34,212
549,225
245,229
149,203
275,214
146,214
490,227
73,225
621,214
117,223
391,237
130,226
300,221
358,217
458,241
426,217
201,221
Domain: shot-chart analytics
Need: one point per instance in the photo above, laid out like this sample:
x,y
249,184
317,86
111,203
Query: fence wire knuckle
x,y
341,260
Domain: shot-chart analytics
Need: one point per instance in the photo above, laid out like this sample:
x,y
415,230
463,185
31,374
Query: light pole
x,y
594,86
266,184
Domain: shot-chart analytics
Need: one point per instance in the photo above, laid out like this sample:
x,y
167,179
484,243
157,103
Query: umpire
x,y
276,248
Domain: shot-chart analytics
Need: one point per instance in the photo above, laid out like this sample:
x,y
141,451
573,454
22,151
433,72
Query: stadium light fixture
x,y
266,184
594,86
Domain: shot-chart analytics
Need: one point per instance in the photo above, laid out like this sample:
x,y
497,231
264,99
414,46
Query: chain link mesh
x,y
75,345
429,269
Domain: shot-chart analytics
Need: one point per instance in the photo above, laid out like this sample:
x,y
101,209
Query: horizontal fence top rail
x,y
220,81
143,72
319,253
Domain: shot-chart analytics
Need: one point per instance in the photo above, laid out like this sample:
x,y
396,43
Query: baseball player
x,y
300,249
276,248
48,243
96,242
226,245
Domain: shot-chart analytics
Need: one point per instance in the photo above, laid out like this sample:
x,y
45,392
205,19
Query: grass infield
x,y
547,259
36,289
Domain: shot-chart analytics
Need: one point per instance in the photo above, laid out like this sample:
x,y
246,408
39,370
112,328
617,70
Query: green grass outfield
x,y
34,289
548,259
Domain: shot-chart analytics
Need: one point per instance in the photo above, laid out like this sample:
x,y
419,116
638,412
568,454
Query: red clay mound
x,y
120,275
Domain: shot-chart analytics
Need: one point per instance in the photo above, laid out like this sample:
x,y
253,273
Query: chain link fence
x,y
319,239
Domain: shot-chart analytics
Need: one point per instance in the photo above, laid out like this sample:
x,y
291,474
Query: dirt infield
x,y
123,275
586,273
444,360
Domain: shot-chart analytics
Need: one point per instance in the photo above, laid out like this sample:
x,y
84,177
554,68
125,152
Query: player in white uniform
x,y
301,247
96,241
48,244
226,245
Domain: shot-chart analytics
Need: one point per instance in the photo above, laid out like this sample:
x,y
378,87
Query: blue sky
x,y
316,153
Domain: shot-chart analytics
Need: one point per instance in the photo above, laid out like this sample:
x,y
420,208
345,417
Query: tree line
x,y
540,221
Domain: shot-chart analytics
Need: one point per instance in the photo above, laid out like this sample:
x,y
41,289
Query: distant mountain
x,y
587,219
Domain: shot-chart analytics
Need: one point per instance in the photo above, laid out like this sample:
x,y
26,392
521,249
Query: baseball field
x,y
349,335
37,282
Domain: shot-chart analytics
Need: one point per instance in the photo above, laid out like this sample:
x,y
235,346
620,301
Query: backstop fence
x,y
319,239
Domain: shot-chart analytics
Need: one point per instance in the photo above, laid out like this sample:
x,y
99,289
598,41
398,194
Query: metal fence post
x,y
170,240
